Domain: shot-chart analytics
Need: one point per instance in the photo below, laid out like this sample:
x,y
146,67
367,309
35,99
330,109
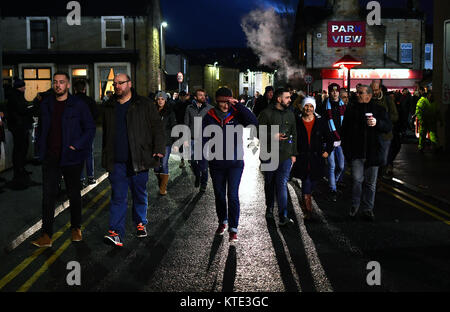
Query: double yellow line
x,y
25,263
417,203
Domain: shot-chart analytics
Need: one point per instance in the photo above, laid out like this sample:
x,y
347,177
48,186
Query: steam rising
x,y
267,38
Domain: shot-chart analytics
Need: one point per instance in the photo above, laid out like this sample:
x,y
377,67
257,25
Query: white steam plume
x,y
267,38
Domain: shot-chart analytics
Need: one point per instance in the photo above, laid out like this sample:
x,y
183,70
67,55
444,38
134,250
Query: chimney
x,y
346,8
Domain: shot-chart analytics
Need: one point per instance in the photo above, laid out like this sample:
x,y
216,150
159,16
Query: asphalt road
x,y
405,249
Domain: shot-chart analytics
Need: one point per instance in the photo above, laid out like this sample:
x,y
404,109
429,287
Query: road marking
x,y
416,199
417,206
321,282
26,286
25,263
38,225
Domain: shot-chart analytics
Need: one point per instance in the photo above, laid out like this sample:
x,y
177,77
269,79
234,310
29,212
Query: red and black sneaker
x,y
113,239
141,231
221,229
233,237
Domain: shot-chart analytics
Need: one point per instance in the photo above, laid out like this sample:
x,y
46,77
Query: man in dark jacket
x,y
179,108
20,121
263,102
364,123
133,142
275,181
66,132
196,111
80,92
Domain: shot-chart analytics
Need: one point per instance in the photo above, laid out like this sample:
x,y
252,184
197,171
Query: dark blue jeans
x,y
227,179
89,164
275,182
120,182
164,167
199,174
308,185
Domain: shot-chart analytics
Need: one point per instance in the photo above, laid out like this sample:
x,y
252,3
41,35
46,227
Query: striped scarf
x,y
331,124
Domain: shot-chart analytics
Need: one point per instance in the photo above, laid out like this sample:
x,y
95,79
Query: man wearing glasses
x,y
133,142
66,132
364,123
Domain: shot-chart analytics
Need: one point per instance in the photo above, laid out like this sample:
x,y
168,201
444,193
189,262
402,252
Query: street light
x,y
346,63
163,25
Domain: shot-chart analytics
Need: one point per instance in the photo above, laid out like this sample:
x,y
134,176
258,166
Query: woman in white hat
x,y
314,144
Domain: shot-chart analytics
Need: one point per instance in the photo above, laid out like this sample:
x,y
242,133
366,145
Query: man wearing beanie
x,y
264,101
197,109
226,171
335,110
20,121
275,182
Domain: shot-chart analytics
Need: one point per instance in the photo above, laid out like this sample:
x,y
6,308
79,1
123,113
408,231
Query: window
x,y
79,72
429,56
106,78
38,33
406,53
113,30
7,75
245,79
36,80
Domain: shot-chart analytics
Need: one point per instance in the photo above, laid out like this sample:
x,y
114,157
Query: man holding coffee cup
x,y
364,123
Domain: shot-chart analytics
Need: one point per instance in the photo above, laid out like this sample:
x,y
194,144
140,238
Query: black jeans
x,y
20,150
51,175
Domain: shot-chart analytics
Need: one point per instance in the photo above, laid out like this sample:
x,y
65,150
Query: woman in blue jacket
x,y
226,171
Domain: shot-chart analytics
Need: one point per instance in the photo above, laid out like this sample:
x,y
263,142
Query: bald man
x,y
133,142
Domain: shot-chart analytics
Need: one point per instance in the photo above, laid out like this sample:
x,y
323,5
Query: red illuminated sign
x,y
346,34
382,73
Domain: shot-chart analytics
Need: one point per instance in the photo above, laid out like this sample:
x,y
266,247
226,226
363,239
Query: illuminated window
x,y
79,72
406,53
36,80
7,75
113,30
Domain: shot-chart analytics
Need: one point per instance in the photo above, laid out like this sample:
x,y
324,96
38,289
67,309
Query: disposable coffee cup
x,y
369,115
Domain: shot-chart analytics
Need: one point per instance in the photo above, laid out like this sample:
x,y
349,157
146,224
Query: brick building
x,y
39,39
392,51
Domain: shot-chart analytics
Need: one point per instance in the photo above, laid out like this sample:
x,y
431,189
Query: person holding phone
x,y
275,181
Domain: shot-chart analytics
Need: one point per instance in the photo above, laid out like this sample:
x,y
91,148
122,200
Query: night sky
x,y
216,23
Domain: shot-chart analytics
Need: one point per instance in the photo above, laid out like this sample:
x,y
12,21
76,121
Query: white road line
x,y
321,282
37,226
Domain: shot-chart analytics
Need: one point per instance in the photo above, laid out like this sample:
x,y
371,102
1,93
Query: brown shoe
x,y
76,235
308,206
43,241
163,185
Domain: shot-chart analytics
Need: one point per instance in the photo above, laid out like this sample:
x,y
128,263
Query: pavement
x,y
181,253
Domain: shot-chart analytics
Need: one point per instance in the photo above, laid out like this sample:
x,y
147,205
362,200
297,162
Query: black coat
x,y
91,103
360,141
169,120
19,116
309,158
145,133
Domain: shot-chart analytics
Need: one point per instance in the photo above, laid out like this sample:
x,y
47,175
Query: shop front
x,y
393,79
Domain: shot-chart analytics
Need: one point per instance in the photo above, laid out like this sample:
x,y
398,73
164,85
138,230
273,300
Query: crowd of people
x,y
315,138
